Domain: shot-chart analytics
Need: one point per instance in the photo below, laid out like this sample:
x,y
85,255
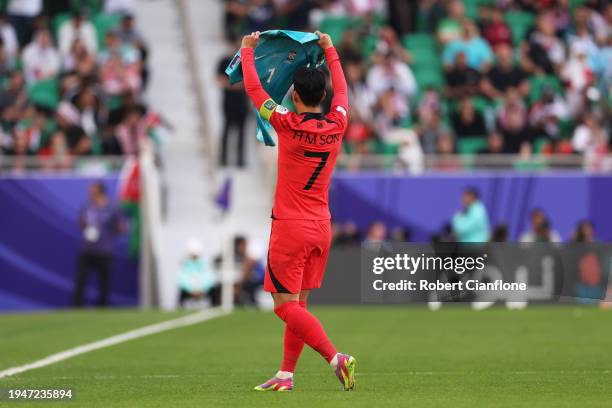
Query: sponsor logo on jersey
x,y
341,110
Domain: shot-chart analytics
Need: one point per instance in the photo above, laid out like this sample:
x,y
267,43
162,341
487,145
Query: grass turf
x,y
539,357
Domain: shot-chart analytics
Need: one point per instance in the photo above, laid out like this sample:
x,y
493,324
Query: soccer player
x,y
308,144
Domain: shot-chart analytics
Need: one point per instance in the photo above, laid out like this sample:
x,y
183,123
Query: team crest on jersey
x,y
291,56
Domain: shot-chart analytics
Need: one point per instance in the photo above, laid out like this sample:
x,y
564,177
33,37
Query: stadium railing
x,y
79,165
602,163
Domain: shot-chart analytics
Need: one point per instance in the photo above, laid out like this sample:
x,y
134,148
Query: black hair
x,y
473,191
309,83
98,185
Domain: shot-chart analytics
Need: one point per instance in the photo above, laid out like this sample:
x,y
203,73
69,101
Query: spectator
x,y
513,125
471,224
253,271
390,111
22,14
119,7
430,131
449,28
589,137
477,52
540,229
377,233
100,223
495,144
500,233
547,113
6,65
77,28
196,278
130,36
468,122
389,73
578,76
235,111
543,52
496,31
41,60
347,234
461,80
504,75
67,118
13,97
133,130
584,232
445,150
9,38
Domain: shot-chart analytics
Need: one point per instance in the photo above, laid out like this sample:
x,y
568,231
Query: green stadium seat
x,y
575,3
420,41
336,26
539,82
426,59
471,145
519,22
105,23
58,21
45,93
538,144
429,78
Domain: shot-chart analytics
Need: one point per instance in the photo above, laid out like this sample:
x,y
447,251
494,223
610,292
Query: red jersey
x,y
308,144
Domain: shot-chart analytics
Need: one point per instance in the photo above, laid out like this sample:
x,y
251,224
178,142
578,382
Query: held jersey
x,y
278,55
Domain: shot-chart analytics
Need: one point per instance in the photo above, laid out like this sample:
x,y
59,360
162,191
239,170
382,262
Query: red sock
x,y
293,347
306,327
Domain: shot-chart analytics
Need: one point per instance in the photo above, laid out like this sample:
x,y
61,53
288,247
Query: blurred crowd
x,y
72,76
460,76
469,224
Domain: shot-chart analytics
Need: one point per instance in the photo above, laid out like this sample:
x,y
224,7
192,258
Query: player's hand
x,y
251,40
325,40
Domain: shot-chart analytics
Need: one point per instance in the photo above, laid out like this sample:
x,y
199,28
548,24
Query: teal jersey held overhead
x,y
277,56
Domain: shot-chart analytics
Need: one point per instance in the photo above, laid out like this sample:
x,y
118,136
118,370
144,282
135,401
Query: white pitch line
x,y
189,320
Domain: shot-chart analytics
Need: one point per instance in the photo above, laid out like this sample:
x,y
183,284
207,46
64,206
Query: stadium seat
x,y
519,22
58,20
471,8
421,41
105,23
539,82
538,144
471,145
423,58
336,26
45,93
428,77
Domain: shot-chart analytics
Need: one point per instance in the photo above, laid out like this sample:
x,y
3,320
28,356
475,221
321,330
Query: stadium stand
x,y
409,82
72,81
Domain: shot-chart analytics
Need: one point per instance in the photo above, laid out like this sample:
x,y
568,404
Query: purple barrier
x,y
425,203
40,239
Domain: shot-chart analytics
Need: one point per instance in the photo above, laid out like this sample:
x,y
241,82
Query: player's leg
x,y
293,345
283,279
314,271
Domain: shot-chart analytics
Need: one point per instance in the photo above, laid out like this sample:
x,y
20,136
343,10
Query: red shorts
x,y
297,255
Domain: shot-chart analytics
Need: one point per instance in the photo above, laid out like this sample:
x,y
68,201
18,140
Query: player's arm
x,y
255,91
339,86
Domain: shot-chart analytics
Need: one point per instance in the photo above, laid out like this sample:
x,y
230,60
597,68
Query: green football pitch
x,y
406,357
